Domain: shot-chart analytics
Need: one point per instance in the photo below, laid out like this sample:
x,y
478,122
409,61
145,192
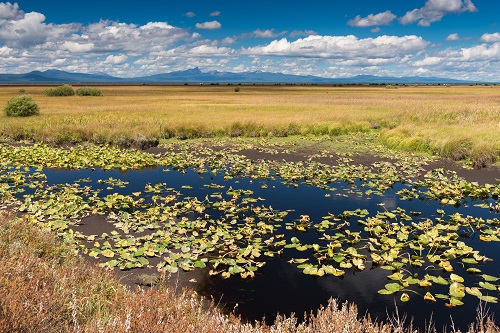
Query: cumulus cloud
x,y
75,47
490,38
190,14
452,37
481,52
371,20
228,41
115,59
4,51
268,33
212,25
435,10
10,11
216,13
428,61
20,29
209,50
29,30
110,36
302,33
342,47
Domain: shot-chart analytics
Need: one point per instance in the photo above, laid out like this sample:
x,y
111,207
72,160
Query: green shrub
x,y
22,91
21,106
89,91
65,90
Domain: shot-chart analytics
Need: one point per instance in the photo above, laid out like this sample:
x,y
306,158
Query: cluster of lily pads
x,y
232,233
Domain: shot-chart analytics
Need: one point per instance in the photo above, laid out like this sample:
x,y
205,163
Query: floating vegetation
x,y
232,232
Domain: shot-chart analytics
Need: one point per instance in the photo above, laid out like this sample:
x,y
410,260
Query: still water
x,y
280,287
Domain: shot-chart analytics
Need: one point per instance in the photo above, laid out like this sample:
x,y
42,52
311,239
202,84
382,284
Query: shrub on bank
x,y
21,106
65,90
89,91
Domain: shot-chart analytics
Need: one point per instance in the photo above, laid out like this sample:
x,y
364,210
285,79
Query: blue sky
x,y
448,38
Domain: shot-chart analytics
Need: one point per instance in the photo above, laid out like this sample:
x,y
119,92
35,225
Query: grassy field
x,y
458,122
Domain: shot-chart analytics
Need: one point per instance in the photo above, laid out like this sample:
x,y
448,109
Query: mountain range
x,y
195,75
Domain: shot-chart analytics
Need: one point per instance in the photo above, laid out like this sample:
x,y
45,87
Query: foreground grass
x,y
46,288
456,122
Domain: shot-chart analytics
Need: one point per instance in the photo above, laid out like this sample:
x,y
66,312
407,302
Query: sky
x,y
457,39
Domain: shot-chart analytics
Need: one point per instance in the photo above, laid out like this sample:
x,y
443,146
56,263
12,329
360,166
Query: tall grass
x,y
45,287
438,120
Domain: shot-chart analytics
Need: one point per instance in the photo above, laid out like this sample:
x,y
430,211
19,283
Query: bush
x,y
65,90
89,91
21,106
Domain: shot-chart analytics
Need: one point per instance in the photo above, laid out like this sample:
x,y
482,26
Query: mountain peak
x,y
195,70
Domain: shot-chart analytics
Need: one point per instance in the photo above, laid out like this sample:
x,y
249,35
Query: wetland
x,y
267,227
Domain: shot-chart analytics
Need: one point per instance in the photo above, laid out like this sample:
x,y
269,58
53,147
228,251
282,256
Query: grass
x,y
46,287
457,122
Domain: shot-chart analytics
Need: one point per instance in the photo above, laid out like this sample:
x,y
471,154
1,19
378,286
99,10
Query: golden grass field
x,y
460,122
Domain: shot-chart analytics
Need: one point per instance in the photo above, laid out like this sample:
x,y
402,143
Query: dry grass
x,y
457,122
44,287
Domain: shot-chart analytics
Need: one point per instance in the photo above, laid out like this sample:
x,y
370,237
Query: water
x,y
280,287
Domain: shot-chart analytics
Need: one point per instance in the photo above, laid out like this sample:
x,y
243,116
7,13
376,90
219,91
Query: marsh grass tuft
x,y
89,91
65,90
21,106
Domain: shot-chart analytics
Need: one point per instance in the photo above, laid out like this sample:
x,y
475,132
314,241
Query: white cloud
x,y
377,29
10,11
209,50
490,38
342,47
28,29
5,51
481,52
435,10
115,59
302,33
216,13
421,70
75,47
212,25
452,37
190,14
58,62
371,20
268,33
428,61
228,41
110,36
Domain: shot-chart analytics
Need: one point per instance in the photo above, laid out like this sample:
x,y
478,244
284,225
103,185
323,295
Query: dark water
x,y
281,288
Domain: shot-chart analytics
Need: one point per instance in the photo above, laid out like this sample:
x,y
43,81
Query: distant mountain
x,y
195,75
56,76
